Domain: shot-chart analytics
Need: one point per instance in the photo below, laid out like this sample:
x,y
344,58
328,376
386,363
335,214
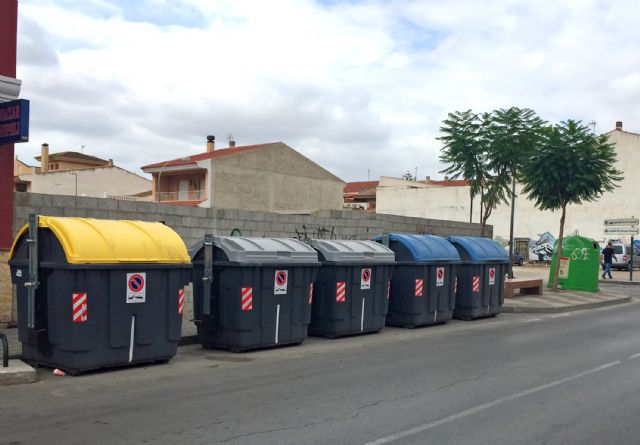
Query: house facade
x,y
78,174
269,177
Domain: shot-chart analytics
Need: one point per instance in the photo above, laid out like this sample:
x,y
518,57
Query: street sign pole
x,y
631,263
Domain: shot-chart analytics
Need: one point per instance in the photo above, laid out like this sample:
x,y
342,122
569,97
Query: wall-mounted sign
x,y
622,222
14,121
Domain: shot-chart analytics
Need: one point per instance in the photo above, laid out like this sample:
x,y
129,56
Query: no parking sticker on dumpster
x,y
137,287
280,282
365,279
440,276
492,276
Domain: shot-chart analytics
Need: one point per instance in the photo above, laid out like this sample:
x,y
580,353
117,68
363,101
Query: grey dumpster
x,y
252,293
351,293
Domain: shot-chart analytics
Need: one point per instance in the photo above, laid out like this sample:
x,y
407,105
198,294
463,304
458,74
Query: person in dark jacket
x,y
608,255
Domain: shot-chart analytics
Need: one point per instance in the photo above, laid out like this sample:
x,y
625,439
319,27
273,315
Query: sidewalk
x,y
566,301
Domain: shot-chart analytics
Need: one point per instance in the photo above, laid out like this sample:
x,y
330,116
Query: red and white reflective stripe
x,y
388,290
180,301
341,291
476,283
247,298
419,287
79,311
311,293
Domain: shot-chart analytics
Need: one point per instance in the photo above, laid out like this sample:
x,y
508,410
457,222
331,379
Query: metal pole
x,y
5,350
631,263
513,205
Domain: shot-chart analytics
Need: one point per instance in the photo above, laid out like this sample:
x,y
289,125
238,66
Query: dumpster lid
x,y
481,249
353,251
425,247
252,250
101,241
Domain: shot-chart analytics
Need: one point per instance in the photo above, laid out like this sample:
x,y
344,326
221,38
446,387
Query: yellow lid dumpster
x,y
98,293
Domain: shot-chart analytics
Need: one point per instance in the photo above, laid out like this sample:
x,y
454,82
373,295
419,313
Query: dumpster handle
x,y
207,278
32,284
236,232
385,239
5,350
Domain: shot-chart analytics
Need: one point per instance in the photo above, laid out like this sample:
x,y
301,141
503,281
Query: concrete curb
x,y
560,309
619,283
17,373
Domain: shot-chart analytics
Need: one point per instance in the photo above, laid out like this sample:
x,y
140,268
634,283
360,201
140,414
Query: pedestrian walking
x,y
608,255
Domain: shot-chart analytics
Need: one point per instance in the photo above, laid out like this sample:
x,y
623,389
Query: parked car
x,y
518,259
622,258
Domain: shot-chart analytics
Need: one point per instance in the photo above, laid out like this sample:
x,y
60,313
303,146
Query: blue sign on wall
x,y
14,121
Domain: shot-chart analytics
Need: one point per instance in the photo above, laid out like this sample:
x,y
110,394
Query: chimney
x,y
211,143
44,158
110,163
232,140
446,178
618,125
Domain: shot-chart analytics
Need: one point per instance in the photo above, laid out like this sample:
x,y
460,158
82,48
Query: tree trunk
x,y
513,207
482,218
556,269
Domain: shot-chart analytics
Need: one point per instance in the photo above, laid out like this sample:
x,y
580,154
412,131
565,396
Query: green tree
x,y
512,134
570,165
466,138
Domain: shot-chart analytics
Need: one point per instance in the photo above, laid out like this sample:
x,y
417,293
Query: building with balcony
x,y
270,177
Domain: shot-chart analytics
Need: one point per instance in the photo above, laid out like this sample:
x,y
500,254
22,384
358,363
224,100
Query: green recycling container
x,y
579,264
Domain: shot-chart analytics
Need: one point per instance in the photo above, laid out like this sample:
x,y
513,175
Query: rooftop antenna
x,y
415,177
82,147
231,139
593,124
368,174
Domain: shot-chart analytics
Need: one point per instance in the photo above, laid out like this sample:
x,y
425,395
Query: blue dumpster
x,y
480,288
423,282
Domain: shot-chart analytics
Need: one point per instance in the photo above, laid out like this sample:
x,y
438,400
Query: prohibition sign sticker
x,y
136,287
440,276
280,282
365,278
492,276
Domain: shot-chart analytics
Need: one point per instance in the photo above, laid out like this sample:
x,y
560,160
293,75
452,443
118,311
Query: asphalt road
x,y
517,379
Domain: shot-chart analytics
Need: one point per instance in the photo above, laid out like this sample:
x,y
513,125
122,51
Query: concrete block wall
x,y
191,223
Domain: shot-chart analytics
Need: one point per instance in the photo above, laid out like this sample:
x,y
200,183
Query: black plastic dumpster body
x,y
110,293
423,282
260,292
480,277
351,293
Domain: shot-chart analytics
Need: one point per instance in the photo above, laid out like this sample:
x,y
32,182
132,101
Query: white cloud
x,y
354,85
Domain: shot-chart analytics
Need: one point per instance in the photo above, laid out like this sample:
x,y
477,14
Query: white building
x,y
452,203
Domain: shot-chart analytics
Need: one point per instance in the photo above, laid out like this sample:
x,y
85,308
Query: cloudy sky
x,y
360,87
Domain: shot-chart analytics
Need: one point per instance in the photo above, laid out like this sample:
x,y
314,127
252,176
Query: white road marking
x,y
484,406
561,315
532,320
634,356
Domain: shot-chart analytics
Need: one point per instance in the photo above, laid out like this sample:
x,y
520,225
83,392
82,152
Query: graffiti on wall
x,y
543,247
307,233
